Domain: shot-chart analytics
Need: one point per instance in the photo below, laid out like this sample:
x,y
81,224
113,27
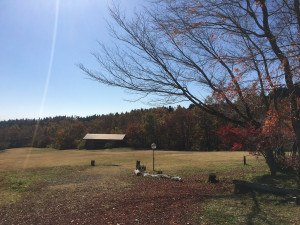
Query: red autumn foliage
x,y
237,138
270,140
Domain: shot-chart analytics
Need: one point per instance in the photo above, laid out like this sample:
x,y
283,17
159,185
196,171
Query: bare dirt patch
x,y
139,201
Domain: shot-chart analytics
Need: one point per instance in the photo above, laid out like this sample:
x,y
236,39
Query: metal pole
x,y
153,159
153,146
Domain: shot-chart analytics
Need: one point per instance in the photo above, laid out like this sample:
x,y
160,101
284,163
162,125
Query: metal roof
x,y
114,137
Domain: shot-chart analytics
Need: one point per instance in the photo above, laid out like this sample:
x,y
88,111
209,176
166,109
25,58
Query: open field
x,y
25,158
47,186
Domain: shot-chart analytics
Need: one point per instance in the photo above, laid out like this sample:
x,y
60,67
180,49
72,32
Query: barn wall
x,y
100,144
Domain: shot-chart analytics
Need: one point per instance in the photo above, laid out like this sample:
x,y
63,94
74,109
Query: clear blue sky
x,y
41,42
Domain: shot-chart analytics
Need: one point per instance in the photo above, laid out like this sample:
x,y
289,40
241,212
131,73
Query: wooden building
x,y
100,141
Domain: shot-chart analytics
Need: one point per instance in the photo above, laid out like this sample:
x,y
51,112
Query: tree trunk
x,y
270,160
296,126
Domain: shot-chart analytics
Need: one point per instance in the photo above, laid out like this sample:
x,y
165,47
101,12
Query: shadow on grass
x,y
249,208
281,180
111,165
255,211
252,207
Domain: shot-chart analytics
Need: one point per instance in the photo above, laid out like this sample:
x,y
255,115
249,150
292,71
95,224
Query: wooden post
x,y
212,178
138,165
245,160
92,162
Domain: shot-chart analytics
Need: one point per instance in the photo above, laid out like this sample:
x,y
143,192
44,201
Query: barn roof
x,y
113,137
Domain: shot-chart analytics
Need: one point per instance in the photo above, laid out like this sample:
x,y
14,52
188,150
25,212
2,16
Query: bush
x,y
43,142
4,145
108,145
81,145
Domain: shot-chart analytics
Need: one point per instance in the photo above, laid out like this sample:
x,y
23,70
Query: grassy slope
x,y
40,174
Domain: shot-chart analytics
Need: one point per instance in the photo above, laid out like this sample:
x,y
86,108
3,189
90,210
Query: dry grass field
x,y
25,158
47,186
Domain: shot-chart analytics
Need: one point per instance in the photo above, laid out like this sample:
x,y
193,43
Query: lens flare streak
x,y
47,79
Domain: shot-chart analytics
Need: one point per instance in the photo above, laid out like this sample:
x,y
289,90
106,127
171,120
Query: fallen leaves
x,y
146,201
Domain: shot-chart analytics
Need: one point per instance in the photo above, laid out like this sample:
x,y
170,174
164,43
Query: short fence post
x,y
138,165
92,162
244,160
212,178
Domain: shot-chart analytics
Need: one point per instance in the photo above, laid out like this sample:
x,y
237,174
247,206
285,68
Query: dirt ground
x,y
125,200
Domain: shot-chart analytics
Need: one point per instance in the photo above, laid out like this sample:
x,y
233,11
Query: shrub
x,y
81,144
108,145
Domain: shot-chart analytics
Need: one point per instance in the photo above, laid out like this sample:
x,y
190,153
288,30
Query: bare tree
x,y
237,51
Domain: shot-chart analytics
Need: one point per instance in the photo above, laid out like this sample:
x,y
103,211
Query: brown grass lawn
x,y
47,186
25,158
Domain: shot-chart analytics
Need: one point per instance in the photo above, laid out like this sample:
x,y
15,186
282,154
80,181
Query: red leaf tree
x,y
270,140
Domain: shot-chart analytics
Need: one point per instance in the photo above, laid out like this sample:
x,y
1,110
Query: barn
x,y
98,141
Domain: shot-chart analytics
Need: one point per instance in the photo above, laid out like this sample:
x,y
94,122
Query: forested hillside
x,y
171,128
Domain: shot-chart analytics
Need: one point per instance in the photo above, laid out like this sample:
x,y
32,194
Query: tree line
x,y
171,128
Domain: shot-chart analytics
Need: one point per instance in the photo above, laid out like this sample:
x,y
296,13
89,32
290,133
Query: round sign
x,y
153,146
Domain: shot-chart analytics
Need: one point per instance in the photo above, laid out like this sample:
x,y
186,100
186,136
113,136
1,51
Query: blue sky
x,y
38,72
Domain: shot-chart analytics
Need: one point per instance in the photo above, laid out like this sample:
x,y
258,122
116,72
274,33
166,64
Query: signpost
x,y
153,146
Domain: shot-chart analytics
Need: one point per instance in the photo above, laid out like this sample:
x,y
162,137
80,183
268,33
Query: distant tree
x,y
44,141
180,129
150,127
77,130
64,139
135,135
206,126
